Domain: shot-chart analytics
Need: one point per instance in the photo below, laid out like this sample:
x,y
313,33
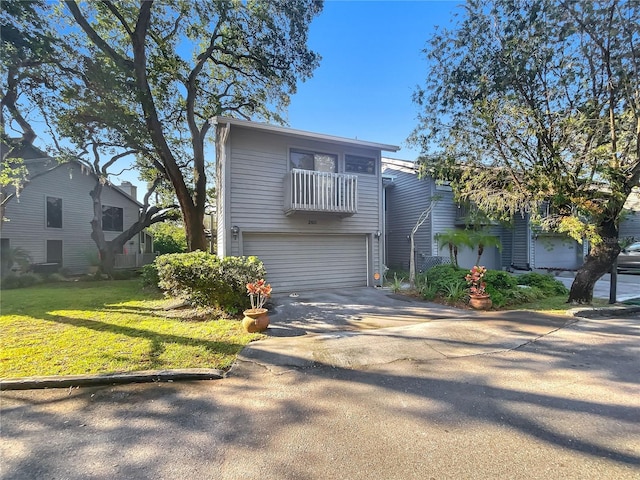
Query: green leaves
x,y
531,102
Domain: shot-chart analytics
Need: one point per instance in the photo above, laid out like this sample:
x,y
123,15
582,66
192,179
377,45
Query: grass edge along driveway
x,y
76,328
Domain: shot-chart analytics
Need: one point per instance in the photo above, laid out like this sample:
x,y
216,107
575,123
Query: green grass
x,y
106,327
554,304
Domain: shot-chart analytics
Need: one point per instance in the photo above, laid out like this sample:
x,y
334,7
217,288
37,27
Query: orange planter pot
x,y
480,302
255,320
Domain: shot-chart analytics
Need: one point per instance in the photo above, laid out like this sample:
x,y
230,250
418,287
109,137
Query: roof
x,y
301,133
38,163
406,166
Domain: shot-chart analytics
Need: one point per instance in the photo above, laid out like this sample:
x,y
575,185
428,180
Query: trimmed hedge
x,y
546,283
206,280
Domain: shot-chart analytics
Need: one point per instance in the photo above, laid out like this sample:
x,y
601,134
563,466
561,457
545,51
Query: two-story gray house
x,y
308,205
50,218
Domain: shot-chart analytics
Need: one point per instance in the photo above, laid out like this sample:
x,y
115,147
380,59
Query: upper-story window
x,y
320,162
54,212
112,219
356,164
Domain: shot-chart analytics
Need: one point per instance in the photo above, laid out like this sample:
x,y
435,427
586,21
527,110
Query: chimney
x,y
130,189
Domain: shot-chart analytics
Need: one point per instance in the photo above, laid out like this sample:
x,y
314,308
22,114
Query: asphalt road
x,y
564,406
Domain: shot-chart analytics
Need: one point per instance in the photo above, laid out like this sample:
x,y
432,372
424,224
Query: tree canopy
x,y
537,102
146,77
154,73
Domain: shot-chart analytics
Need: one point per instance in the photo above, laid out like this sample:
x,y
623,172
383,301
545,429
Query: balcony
x,y
320,192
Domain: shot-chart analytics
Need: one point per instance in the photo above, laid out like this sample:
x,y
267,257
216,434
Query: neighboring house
x,y
50,218
630,224
308,205
524,246
406,197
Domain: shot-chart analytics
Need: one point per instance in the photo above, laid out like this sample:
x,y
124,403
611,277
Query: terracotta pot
x,y
255,320
480,302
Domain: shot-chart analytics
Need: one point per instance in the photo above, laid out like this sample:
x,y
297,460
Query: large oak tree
x,y
537,103
174,65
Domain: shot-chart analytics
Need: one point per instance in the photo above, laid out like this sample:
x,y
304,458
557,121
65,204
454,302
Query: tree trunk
x,y
480,252
597,263
107,259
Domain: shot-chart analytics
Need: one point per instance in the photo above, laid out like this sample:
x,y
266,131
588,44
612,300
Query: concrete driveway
x,y
443,395
362,327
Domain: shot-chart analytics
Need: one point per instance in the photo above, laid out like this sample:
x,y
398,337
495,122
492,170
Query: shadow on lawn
x,y
158,340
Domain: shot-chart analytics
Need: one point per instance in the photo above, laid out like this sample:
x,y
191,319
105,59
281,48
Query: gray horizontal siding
x,y
254,192
27,226
405,201
630,226
520,244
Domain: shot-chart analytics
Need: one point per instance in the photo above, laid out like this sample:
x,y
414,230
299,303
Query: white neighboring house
x,y
50,218
308,205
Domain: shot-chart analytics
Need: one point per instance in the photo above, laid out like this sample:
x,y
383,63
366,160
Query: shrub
x,y
149,275
442,276
546,283
500,280
396,283
20,281
428,292
454,291
207,280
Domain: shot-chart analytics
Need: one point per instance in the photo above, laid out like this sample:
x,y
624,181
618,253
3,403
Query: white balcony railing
x,y
321,192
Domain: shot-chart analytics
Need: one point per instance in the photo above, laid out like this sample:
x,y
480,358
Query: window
x,y
355,164
54,251
112,219
320,162
54,212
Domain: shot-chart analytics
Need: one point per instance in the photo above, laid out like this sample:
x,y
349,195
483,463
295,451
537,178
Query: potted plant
x,y
256,318
478,296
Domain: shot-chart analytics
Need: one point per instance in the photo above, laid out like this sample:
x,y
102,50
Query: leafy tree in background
x,y
538,101
168,237
174,65
28,50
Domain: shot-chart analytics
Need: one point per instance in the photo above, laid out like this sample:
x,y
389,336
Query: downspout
x,y
223,237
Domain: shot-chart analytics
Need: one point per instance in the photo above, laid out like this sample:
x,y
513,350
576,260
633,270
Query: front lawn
x,y
106,327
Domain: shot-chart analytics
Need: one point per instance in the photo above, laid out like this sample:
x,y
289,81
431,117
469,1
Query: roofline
x,y
400,163
82,166
301,133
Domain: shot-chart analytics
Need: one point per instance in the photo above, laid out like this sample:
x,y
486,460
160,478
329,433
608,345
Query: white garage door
x,y
557,252
296,263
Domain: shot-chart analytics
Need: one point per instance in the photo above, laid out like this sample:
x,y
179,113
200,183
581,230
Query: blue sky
x,y
372,62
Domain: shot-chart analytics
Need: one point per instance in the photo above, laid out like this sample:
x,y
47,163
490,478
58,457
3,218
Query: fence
x,y
134,260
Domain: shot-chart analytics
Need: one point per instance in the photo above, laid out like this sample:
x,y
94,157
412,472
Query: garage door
x,y
557,252
296,263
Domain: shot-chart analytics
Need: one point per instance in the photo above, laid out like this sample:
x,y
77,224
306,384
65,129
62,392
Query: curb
x,y
595,312
28,383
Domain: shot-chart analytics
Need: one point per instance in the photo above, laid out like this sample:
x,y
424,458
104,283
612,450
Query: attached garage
x,y
557,252
297,263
